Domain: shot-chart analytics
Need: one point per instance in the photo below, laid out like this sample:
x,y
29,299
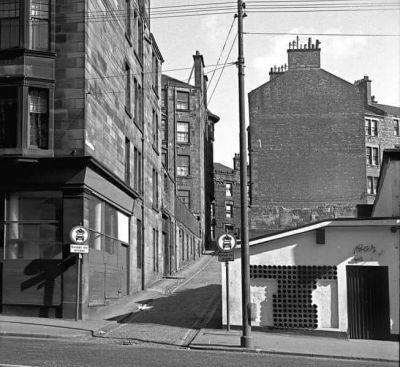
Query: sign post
x,y
79,235
226,245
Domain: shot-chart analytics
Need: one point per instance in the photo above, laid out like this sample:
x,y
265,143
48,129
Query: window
x,y
372,183
212,209
137,162
182,100
128,21
155,250
155,189
139,244
32,225
155,72
39,24
371,127
163,98
138,103
183,165
212,232
127,161
396,127
155,130
38,118
8,117
228,189
372,156
140,38
229,228
9,23
184,196
182,132
128,88
164,132
229,210
108,226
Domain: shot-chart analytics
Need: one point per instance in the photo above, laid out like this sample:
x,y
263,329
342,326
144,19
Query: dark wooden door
x,y
368,302
166,254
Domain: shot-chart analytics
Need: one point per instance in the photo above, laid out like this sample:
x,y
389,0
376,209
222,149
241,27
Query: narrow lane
x,y
175,318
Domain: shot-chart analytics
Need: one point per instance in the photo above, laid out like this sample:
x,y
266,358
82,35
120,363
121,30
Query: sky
x,y
348,57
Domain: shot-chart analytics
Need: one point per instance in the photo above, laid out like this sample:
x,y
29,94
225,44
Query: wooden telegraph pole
x,y
246,338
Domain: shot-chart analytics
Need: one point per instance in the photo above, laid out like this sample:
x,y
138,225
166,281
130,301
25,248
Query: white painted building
x,y
339,275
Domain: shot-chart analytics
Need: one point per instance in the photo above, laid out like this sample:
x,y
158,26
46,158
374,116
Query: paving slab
x,y
276,343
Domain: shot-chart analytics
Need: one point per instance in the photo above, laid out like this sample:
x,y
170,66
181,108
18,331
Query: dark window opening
x,y
9,24
8,117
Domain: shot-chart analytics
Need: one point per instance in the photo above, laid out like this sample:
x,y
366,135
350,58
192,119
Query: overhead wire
x,y
222,51
222,71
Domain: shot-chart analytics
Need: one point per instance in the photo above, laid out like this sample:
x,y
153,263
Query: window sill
x,y
182,143
183,109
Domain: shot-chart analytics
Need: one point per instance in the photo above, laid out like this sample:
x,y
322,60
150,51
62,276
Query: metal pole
x,y
246,338
228,319
78,286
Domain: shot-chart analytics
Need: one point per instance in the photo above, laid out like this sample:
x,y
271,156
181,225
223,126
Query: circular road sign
x,y
226,242
79,234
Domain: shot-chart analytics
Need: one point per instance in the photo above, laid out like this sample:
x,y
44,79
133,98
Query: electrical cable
x,y
220,55
222,71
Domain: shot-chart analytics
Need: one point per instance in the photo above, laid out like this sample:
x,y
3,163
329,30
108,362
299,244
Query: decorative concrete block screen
x,y
292,303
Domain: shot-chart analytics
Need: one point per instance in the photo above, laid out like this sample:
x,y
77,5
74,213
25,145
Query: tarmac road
x,y
70,353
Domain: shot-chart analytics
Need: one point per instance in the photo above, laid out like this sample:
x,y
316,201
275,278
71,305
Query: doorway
x,y
368,302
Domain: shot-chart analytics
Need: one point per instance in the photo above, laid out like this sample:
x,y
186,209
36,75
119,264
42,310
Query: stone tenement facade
x,y
307,144
190,130
382,131
225,210
80,112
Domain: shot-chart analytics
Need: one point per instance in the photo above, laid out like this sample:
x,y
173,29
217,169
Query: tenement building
x,y
189,126
225,210
80,144
315,143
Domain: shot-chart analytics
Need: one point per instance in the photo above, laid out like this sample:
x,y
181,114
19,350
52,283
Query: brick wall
x,y
307,149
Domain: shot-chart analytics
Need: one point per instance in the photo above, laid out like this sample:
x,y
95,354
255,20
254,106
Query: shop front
x,y
40,202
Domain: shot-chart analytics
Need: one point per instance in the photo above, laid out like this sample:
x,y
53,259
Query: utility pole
x,y
246,340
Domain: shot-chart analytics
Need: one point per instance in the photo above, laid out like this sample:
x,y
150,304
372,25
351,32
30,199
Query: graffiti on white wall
x,y
366,253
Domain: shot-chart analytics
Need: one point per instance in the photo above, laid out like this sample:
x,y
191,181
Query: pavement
x,y
109,318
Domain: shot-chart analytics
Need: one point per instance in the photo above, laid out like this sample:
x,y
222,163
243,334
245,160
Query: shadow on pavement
x,y
180,309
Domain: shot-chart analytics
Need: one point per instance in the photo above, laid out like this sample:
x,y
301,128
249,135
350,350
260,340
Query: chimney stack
x,y
236,162
198,70
364,85
275,72
304,56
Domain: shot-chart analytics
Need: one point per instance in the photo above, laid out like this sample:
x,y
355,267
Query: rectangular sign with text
x,y
226,256
79,249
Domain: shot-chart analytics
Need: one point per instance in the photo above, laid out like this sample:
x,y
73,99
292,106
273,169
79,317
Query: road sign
x,y
226,256
226,242
79,235
78,249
